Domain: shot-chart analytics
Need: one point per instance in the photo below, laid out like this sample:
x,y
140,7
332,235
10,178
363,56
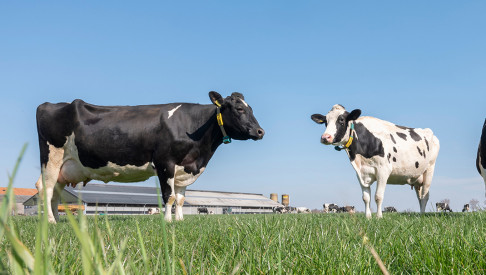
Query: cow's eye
x,y
240,110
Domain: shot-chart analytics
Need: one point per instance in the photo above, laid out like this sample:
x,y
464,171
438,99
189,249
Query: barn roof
x,y
125,194
21,194
19,191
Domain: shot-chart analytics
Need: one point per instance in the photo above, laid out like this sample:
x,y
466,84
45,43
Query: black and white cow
x,y
80,142
330,208
279,210
202,210
383,152
465,208
442,207
390,209
346,209
481,157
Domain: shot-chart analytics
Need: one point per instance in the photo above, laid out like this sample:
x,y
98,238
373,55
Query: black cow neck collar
x,y
219,118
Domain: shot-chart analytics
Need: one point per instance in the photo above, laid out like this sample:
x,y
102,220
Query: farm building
x,y
21,195
128,200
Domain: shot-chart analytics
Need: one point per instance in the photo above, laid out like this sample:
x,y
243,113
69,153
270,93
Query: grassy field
x,y
242,244
262,244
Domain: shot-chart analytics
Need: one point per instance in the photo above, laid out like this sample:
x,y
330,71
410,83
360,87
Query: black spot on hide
x,y
394,149
394,159
393,139
414,135
366,145
420,151
412,132
427,143
416,164
402,136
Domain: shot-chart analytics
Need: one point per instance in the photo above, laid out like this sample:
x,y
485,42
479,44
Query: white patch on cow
x,y
242,101
72,171
483,172
331,119
184,179
49,179
171,112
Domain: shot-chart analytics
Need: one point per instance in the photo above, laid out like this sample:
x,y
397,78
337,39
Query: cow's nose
x,y
260,133
326,138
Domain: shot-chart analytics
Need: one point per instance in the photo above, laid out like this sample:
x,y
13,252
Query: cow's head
x,y
337,124
238,119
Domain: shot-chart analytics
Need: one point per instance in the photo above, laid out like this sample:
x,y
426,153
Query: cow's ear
x,y
354,114
216,98
318,118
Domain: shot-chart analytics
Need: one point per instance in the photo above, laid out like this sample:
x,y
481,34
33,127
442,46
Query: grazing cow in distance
x,y
303,210
390,209
330,208
279,210
465,208
481,157
202,210
346,209
383,152
80,142
153,211
443,207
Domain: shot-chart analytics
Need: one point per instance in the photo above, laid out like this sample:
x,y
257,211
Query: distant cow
x,y
443,207
303,210
481,157
330,208
153,211
279,210
465,208
79,142
390,209
346,209
202,210
383,152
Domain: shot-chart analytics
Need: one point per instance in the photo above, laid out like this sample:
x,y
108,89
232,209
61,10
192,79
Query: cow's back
x,y
408,152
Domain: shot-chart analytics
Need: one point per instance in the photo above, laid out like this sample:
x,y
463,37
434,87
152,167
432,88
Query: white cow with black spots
x,y
383,152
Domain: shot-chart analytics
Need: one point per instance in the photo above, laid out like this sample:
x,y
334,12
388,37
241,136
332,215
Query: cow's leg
x,y
179,198
48,179
380,193
483,174
166,180
423,191
55,199
365,182
366,199
170,201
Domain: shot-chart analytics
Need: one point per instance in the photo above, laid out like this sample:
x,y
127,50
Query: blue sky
x,y
415,63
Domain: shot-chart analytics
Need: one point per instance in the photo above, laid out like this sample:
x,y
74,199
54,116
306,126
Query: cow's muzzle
x,y
257,134
326,139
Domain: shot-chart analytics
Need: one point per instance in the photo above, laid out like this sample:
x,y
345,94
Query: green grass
x,y
242,244
253,244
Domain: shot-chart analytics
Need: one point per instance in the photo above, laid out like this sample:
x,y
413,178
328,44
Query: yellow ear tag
x,y
217,103
219,117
